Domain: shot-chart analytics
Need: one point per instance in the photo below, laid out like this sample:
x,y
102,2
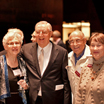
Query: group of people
x,y
86,67
23,80
55,38
42,72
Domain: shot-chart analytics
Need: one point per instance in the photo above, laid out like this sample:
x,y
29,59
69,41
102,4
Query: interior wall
x,y
70,27
24,14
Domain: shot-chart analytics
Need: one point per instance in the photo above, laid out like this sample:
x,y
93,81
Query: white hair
x,y
77,32
45,22
12,33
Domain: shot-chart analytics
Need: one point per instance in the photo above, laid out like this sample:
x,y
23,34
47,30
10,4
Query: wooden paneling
x,y
24,14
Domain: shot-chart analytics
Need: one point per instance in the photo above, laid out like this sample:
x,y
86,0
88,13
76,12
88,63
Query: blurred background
x,y
64,15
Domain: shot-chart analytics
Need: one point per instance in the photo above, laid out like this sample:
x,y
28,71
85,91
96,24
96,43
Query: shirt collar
x,y
77,58
58,40
46,48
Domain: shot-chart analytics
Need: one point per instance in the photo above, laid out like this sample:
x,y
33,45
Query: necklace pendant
x,y
94,72
92,78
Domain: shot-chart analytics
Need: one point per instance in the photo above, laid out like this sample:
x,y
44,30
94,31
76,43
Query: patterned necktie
x,y
41,57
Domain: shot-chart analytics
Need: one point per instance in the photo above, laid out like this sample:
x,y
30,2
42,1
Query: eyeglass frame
x,y
42,32
12,43
78,41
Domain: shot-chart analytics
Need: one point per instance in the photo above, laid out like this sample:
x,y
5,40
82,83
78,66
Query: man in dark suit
x,y
57,38
68,45
47,84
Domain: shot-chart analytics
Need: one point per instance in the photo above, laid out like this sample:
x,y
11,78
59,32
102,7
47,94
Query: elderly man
x,y
48,80
33,38
57,38
77,58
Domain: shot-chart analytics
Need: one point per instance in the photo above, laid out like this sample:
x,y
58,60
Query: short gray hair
x,y
13,32
45,22
56,33
77,32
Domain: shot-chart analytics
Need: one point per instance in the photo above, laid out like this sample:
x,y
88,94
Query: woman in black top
x,y
13,77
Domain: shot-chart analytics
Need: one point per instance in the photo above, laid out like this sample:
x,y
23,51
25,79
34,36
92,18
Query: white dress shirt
x,y
47,54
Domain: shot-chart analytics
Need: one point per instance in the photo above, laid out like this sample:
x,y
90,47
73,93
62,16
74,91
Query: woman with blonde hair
x,y
13,77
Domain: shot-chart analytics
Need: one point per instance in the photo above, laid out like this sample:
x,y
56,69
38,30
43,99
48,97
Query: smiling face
x,y
97,45
42,34
77,43
13,46
97,49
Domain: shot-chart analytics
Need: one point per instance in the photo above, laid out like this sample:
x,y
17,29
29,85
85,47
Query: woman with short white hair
x,y
13,78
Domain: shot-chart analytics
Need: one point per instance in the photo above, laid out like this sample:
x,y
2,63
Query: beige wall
x,y
70,27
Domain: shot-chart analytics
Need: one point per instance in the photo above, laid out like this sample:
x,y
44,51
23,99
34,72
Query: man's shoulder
x,y
27,49
29,44
60,48
60,41
70,54
87,51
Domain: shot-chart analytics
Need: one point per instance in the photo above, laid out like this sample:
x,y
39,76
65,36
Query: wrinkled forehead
x,y
41,27
75,36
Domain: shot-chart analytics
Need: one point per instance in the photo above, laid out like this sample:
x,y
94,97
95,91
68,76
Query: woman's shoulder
x,y
20,59
2,52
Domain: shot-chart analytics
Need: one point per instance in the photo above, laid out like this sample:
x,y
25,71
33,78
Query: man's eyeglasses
x,y
42,32
78,41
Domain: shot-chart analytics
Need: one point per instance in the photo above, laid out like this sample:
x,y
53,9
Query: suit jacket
x,y
52,79
68,46
60,43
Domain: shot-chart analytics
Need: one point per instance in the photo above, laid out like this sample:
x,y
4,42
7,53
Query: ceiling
x,y
87,10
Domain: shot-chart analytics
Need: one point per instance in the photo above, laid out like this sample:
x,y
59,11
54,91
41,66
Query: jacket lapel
x,y
35,58
53,56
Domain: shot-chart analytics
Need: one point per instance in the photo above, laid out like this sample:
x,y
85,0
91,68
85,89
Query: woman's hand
x,y
23,84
